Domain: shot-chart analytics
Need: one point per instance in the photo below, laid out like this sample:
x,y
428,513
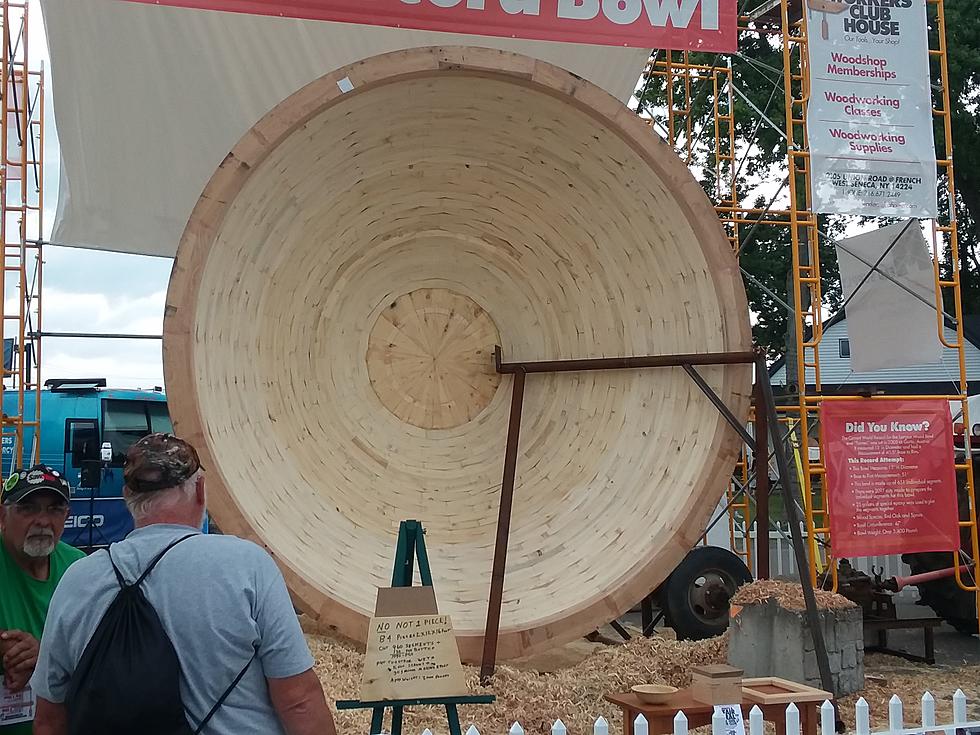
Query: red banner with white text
x,y
891,483
691,25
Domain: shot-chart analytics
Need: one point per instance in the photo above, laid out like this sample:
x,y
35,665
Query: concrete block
x,y
766,640
811,672
829,631
835,661
850,681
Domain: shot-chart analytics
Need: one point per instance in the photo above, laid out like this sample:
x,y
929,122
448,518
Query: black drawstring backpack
x,y
128,678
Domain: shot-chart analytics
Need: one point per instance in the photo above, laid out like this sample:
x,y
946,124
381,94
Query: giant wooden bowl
x,y
333,309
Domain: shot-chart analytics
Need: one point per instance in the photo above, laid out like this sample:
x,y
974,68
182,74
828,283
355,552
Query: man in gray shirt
x,y
219,598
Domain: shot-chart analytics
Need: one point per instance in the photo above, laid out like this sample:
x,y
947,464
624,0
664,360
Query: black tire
x,y
696,595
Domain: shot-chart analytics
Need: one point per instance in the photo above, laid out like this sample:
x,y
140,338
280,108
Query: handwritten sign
x,y
411,657
890,477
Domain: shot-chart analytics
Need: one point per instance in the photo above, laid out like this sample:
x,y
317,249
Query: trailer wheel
x,y
697,594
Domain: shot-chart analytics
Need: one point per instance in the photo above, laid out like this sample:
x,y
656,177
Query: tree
x,y
963,45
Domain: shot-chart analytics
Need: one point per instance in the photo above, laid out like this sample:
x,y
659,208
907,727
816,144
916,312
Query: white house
x,y
836,375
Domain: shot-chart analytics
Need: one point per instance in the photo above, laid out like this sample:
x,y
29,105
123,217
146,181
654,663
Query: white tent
x,y
149,99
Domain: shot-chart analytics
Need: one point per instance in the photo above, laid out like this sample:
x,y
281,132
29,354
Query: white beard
x,y
39,543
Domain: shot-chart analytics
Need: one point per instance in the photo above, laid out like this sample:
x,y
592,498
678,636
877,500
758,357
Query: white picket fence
x,y
782,561
828,721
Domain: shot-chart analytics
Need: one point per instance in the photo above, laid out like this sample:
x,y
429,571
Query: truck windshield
x,y
159,417
126,422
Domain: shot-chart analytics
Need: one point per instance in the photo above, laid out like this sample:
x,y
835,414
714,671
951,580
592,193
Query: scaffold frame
x,y
22,135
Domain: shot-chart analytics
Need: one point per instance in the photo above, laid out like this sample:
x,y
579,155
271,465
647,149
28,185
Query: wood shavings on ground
x,y
536,700
890,676
787,595
575,694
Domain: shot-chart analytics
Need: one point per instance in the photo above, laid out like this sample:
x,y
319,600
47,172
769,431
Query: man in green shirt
x,y
33,511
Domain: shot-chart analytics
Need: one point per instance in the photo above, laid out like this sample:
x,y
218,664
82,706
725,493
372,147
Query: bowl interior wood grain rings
x,y
333,310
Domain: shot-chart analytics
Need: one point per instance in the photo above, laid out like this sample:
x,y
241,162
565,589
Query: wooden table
x,y
661,716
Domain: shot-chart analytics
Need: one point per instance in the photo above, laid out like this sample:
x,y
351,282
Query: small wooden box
x,y
716,684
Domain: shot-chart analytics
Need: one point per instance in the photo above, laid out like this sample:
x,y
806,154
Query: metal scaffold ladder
x,y
21,230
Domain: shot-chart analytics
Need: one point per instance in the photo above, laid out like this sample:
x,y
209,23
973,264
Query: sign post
x,y
412,658
891,481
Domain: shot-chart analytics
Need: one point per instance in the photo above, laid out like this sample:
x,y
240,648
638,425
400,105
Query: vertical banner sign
x,y
683,25
869,115
891,484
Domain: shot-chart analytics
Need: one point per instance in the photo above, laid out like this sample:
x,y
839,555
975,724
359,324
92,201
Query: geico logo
x,y
83,521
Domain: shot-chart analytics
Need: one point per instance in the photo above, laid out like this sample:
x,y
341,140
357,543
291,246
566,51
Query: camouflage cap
x,y
159,461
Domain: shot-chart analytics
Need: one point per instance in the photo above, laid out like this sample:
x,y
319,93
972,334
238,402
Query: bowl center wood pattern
x,y
430,358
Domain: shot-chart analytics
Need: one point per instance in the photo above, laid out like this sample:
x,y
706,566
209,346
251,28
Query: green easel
x,y
411,547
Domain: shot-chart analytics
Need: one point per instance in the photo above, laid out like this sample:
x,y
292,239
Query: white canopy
x,y
149,99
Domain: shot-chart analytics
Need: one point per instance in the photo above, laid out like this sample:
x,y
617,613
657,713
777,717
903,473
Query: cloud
x,y
101,311
124,363
93,271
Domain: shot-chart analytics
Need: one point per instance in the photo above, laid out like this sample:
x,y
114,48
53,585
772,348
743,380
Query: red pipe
x,y
903,582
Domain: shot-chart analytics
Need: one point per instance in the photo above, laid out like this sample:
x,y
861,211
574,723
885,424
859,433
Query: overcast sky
x,y
92,291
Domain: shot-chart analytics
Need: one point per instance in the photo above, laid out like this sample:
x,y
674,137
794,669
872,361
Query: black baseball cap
x,y
22,483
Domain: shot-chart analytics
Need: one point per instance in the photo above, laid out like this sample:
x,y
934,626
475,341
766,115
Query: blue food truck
x,y
77,417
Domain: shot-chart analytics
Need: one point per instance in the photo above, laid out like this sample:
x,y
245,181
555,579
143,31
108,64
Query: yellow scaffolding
x,y
807,297
21,232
